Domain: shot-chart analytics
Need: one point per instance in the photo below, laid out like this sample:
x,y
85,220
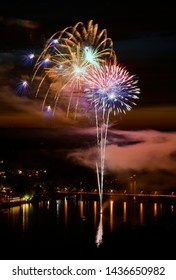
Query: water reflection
x,y
111,215
81,205
58,207
95,213
161,209
155,209
124,211
141,215
81,217
66,211
172,208
25,216
99,234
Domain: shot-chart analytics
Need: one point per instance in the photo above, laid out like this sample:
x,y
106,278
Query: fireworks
x,y
23,87
66,61
28,57
110,87
78,67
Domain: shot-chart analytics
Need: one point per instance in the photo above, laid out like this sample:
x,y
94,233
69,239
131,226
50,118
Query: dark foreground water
x,y
72,228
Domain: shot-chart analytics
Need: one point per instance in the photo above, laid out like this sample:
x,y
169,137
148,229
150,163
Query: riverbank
x,y
84,196
8,204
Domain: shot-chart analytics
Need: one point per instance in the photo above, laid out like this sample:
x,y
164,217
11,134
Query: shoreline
x,y
85,195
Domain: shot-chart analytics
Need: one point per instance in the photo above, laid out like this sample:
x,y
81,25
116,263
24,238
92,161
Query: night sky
x,y
143,140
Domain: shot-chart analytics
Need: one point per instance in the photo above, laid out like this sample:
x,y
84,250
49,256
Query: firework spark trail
x,y
101,145
103,150
98,182
110,89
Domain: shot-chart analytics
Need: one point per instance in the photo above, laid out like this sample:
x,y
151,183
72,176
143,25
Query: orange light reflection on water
x,y
111,215
141,214
124,211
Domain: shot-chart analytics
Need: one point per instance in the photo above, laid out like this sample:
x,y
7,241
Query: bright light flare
x,y
23,87
29,57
